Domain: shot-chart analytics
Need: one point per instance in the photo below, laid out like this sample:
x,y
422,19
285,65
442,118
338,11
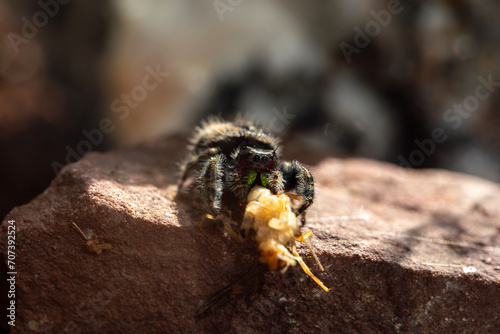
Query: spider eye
x,y
264,159
256,158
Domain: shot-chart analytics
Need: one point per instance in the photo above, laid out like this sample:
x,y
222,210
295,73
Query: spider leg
x,y
238,185
192,161
276,182
185,166
299,179
209,184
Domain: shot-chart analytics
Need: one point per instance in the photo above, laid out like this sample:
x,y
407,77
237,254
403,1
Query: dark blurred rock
x,y
403,251
50,90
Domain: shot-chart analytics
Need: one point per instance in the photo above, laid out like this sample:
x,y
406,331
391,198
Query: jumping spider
x,y
234,157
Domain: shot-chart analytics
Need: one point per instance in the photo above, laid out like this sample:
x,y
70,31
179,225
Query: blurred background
x,y
414,83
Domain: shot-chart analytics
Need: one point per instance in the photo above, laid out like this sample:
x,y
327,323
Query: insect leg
x,y
308,271
228,227
235,288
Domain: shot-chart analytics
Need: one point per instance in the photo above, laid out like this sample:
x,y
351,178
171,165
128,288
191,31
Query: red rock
x,y
403,251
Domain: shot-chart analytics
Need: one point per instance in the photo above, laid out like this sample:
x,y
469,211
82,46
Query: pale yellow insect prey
x,y
276,230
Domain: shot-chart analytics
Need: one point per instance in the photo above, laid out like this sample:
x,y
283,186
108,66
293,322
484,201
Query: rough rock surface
x,y
403,251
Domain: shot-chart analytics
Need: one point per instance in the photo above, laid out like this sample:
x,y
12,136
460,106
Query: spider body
x,y
233,157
